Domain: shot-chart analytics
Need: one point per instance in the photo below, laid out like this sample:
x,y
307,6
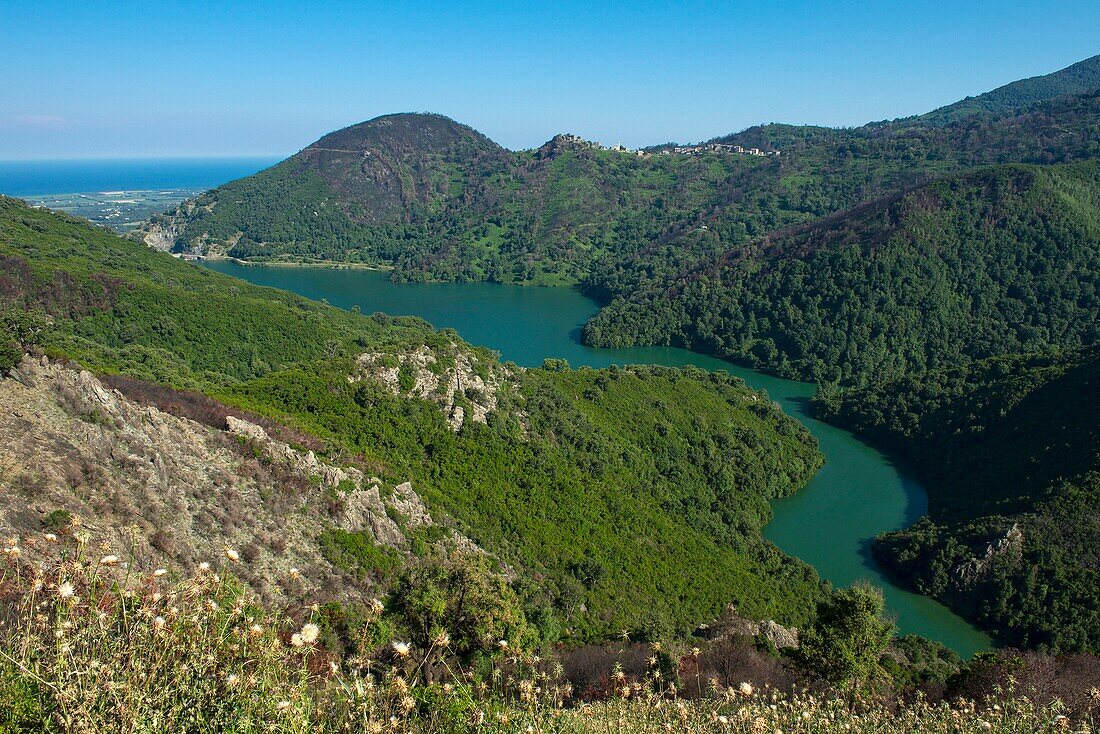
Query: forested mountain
x,y
1010,449
999,260
1084,76
634,496
433,199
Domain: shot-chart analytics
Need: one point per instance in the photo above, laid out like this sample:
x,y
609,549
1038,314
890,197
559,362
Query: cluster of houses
x,y
671,150
715,148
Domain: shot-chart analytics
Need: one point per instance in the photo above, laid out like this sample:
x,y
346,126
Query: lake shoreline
x,y
829,524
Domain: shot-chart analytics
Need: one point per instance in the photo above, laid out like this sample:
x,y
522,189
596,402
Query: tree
x,y
20,331
846,639
456,605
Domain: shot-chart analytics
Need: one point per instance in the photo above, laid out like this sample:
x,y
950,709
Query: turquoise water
x,y
859,493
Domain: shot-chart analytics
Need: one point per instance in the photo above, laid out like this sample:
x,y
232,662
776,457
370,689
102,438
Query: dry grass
x,y
89,646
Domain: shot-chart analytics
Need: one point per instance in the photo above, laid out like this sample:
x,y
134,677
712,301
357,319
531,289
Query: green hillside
x,y
1010,449
1079,78
1004,259
674,243
634,496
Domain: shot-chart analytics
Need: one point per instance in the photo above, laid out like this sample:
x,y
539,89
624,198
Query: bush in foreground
x,y
90,645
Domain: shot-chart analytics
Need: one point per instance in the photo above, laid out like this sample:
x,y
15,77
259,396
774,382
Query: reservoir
x,y
859,493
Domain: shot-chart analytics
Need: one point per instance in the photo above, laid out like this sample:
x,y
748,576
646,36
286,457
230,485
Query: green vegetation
x,y
657,477
847,638
1084,76
809,264
634,495
1001,260
1010,449
90,646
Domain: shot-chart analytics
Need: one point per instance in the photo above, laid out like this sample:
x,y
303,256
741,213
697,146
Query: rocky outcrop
x,y
454,378
732,624
162,490
1010,545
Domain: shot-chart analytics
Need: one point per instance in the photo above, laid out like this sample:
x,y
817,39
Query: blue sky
x,y
110,79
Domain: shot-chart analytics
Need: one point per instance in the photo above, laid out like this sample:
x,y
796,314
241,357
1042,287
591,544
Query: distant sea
x,y
39,178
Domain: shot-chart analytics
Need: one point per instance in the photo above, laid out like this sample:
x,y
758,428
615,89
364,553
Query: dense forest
x,y
634,495
1000,260
1010,450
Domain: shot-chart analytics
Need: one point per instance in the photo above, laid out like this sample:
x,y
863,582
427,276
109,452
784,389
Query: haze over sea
x,y
33,178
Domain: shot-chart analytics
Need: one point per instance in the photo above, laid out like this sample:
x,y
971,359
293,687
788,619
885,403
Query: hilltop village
x,y
695,150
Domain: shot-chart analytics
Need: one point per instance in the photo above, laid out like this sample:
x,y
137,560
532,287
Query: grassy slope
x,y
643,525
1012,440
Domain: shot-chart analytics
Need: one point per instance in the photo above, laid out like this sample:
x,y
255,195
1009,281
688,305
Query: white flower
x,y
745,688
310,632
296,640
283,705
51,537
232,554
377,606
204,566
66,590
160,572
502,644
110,560
158,623
295,573
401,648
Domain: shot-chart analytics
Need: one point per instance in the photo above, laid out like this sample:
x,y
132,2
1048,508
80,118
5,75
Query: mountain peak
x,y
402,132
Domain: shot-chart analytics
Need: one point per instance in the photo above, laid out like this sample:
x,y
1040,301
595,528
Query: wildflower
x,y
695,652
442,639
232,555
447,687
255,630
295,573
108,560
158,623
204,567
401,648
50,537
231,679
984,725
296,640
283,705
377,606
503,644
160,572
66,590
745,688
333,667
723,720
310,632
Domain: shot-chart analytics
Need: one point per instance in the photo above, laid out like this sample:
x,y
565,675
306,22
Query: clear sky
x,y
148,78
